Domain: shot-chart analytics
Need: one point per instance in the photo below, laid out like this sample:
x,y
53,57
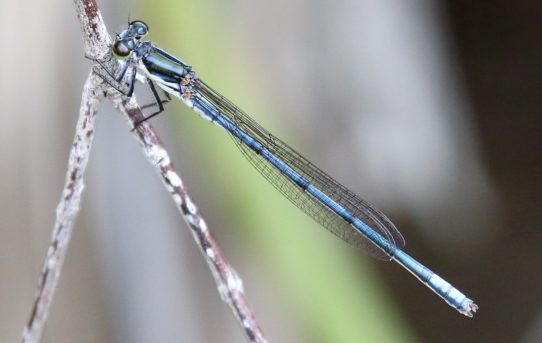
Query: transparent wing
x,y
369,214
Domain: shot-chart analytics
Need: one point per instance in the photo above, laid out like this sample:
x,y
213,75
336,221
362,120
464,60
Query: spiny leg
x,y
122,72
163,101
158,102
115,80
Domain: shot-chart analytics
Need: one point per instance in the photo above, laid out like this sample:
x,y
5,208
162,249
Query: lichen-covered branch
x,y
66,211
230,286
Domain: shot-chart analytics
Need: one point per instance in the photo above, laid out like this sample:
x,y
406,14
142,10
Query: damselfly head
x,y
125,42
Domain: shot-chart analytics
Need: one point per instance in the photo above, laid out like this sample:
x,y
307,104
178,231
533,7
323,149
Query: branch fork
x,y
229,284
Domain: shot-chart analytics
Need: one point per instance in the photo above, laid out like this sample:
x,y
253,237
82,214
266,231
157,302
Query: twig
x,y
230,286
66,211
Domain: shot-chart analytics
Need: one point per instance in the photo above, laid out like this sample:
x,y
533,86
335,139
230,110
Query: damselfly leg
x,y
114,78
158,102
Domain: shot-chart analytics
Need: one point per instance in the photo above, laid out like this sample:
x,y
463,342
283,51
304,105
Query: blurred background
x,y
428,109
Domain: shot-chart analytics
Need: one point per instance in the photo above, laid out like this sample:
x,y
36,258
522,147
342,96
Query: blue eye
x,y
139,28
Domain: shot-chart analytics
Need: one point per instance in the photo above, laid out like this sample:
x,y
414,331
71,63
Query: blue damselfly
x,y
325,200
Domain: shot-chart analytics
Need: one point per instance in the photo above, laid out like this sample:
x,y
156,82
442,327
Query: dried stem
x,y
230,286
66,211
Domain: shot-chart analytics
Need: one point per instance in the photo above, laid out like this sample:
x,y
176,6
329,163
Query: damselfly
x,y
325,200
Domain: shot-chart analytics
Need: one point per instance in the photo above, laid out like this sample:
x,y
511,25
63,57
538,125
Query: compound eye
x,y
140,28
121,49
